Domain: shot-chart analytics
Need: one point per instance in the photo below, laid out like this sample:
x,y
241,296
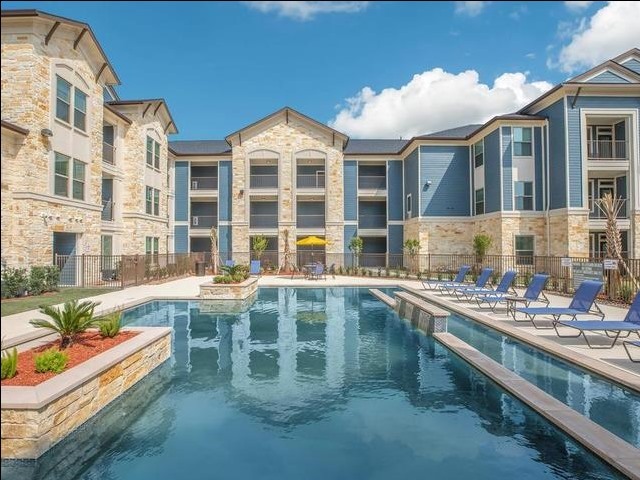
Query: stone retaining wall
x,y
229,291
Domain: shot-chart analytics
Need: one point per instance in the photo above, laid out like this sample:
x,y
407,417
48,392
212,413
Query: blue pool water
x,y
309,384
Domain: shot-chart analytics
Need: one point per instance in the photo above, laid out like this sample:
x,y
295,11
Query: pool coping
x,y
621,455
610,372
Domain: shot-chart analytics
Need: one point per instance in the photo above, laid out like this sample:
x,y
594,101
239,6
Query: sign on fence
x,y
566,262
586,271
610,264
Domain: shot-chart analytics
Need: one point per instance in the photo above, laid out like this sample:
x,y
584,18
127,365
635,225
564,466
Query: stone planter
x,y
229,291
36,418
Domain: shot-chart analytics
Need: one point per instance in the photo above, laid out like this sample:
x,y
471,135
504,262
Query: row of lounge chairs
x,y
582,303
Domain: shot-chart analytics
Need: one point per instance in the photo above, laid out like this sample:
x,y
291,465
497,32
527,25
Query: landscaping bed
x,y
87,345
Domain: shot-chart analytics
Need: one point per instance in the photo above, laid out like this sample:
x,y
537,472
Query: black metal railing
x,y
607,150
310,221
204,183
263,181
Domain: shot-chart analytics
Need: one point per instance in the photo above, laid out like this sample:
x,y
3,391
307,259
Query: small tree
x,y
481,244
286,265
259,245
356,245
412,247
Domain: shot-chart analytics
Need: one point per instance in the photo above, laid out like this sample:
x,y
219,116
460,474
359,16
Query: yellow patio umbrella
x,y
312,241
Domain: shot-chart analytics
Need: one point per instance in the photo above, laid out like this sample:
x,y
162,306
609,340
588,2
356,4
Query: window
x,y
63,99
79,109
522,142
152,201
156,202
61,175
409,205
152,245
149,201
156,155
478,153
153,153
524,195
150,151
524,249
79,171
479,201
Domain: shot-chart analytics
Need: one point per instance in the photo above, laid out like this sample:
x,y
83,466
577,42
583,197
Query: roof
x,y
457,133
84,28
160,101
374,146
14,128
200,147
116,112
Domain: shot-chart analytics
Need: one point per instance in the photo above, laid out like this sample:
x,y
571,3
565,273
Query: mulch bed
x,y
86,346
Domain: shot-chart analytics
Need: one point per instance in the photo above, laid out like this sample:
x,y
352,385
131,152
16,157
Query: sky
x,y
368,69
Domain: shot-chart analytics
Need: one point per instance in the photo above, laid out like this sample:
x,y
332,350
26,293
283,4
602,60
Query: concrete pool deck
x,y
15,329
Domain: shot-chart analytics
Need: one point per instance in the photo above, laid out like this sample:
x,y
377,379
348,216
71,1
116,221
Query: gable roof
x,y
457,133
614,67
171,127
83,29
200,147
359,146
286,112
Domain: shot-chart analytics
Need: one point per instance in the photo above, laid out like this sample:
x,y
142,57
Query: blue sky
x,y
223,65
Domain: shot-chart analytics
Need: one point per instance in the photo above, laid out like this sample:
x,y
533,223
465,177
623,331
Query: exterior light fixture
x,y
45,132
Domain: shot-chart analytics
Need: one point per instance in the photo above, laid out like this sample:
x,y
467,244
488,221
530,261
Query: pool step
x,y
383,297
422,315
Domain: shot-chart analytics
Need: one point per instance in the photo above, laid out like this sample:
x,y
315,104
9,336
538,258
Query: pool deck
x,y
15,329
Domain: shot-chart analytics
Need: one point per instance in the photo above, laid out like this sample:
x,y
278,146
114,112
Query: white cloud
x,y
431,101
530,55
609,32
471,9
577,6
307,10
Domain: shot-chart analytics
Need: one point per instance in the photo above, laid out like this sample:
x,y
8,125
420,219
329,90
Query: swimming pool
x,y
313,384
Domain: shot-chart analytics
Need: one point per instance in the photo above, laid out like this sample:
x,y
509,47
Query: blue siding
x,y
182,191
557,175
507,168
411,183
607,77
350,190
492,177
395,238
621,188
537,146
394,190
224,191
224,238
633,64
447,168
181,239
350,231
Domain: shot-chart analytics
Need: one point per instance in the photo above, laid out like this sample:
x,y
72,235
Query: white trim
x,y
420,187
566,151
395,222
501,175
612,71
471,174
408,211
43,197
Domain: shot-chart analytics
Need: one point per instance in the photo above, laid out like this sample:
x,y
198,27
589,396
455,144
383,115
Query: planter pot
x,y
229,291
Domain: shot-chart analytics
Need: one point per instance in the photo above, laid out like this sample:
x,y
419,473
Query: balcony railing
x,y
372,182
107,211
310,221
263,181
607,150
263,220
108,151
372,221
204,183
203,221
596,212
311,181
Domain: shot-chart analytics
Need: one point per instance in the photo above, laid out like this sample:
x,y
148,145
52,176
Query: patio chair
x,y
630,324
254,268
318,272
533,293
582,303
482,280
636,344
504,287
438,284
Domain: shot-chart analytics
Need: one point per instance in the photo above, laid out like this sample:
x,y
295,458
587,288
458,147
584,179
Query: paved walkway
x,y
16,327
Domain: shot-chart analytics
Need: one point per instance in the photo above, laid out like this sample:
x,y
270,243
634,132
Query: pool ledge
x,y
615,451
618,375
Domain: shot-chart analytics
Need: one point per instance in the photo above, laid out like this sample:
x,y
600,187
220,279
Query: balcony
x,y
263,181
372,182
311,181
310,221
108,153
608,150
372,221
204,183
263,220
203,221
596,213
107,211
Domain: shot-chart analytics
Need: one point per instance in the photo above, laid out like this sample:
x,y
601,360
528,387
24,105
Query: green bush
x,y
74,318
9,363
51,360
626,292
52,278
37,280
15,282
481,244
110,325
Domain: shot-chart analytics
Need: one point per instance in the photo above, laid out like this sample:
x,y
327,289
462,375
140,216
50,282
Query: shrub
x,y
340,270
626,292
222,279
9,363
52,278
51,360
74,318
379,271
386,272
419,275
110,325
15,281
481,244
37,280
527,278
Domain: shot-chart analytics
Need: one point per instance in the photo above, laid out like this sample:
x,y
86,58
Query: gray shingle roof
x,y
374,146
200,147
453,133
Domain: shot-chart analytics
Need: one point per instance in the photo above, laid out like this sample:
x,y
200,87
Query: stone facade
x,y
222,291
569,233
635,232
29,432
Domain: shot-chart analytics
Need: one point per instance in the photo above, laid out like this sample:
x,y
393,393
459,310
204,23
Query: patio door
x,y
64,256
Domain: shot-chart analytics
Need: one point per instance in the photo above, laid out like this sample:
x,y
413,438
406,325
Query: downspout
x,y
545,165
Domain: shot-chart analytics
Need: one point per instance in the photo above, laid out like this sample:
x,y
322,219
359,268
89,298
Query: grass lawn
x,y
17,305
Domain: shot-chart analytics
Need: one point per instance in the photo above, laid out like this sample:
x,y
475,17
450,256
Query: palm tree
x,y
69,321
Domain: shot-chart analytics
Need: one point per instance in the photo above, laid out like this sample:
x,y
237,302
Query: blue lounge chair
x,y
317,272
437,284
630,324
254,268
533,293
230,263
582,303
504,287
626,347
482,280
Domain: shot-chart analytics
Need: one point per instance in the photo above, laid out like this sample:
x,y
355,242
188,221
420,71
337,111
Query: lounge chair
x,y
482,280
582,303
254,268
630,324
230,263
317,272
636,344
438,284
533,293
504,287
